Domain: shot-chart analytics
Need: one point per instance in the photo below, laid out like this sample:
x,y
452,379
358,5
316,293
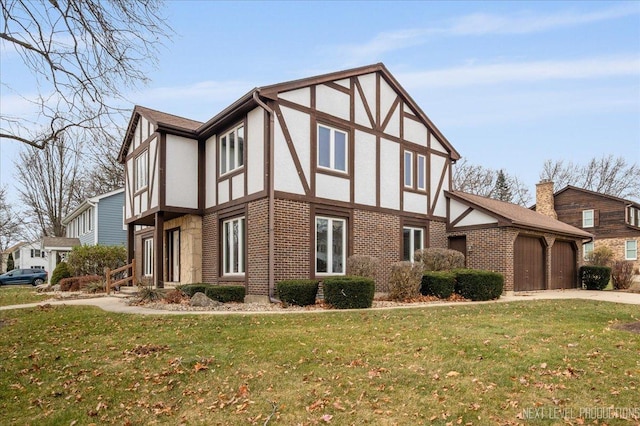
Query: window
x,y
332,148
173,255
633,216
587,248
232,150
587,218
331,238
422,172
631,250
408,169
415,171
412,240
147,254
233,232
141,170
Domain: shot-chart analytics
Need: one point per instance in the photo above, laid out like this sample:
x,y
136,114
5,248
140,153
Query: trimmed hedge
x,y
191,289
478,285
438,283
61,271
595,277
226,293
439,259
297,292
78,283
349,292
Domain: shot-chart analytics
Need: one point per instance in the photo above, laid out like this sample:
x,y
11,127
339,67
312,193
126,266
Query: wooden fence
x,y
130,278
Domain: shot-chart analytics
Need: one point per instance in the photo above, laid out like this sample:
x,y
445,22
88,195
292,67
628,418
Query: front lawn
x,y
497,363
19,294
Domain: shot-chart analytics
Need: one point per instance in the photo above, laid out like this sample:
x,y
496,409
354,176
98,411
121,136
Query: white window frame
x,y
422,174
408,169
147,253
588,222
141,170
228,252
330,243
235,157
587,249
412,230
628,250
332,149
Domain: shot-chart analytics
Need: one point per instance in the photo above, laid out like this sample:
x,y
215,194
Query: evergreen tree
x,y
10,263
502,190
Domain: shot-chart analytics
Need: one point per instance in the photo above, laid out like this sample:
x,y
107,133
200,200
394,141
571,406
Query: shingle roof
x,y
518,216
159,117
60,242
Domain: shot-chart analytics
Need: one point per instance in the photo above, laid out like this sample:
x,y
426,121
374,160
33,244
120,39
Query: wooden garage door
x,y
563,265
528,264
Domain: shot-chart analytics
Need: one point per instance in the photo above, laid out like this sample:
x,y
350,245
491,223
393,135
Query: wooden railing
x,y
131,276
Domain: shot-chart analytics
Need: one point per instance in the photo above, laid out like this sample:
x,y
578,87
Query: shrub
x,y
595,277
478,285
79,283
91,260
149,294
438,283
622,274
175,296
96,286
226,293
61,271
191,289
404,281
602,256
349,292
439,259
297,292
362,266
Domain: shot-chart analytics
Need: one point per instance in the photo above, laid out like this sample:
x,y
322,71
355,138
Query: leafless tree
x,y
9,222
479,180
83,57
607,175
49,184
104,173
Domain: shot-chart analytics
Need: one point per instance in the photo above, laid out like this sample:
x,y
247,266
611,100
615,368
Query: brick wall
x,y
438,234
545,200
258,247
210,248
292,240
617,245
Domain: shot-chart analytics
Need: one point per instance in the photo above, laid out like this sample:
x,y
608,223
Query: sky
x,y
510,84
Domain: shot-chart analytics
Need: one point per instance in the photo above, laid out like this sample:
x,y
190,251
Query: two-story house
x,y
98,220
614,222
27,255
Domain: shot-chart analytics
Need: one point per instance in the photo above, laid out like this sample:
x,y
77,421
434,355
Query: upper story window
x,y
232,150
415,171
141,170
631,250
332,148
587,219
633,216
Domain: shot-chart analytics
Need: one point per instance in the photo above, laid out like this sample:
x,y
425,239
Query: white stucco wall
x,y
333,187
255,146
476,218
416,203
182,172
210,171
415,132
285,174
299,124
332,102
299,96
389,174
365,168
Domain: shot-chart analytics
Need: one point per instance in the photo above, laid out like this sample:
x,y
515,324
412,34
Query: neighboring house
x,y
27,255
56,250
532,251
287,182
99,220
614,222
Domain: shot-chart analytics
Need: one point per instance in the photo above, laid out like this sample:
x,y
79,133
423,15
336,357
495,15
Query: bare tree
x,y
83,55
49,182
607,175
9,222
104,173
498,184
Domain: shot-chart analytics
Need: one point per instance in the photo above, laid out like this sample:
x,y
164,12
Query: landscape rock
x,y
43,288
201,300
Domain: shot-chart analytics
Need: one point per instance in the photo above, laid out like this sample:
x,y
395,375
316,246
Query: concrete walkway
x,y
118,304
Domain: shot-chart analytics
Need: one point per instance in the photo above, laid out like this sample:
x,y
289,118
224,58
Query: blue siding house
x,y
99,220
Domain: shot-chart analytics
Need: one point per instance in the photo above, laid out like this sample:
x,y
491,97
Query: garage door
x,y
528,264
563,265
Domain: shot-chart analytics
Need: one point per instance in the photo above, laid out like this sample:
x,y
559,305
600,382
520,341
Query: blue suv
x,y
33,276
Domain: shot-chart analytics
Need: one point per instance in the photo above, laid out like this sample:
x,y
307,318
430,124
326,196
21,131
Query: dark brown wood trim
x,y
231,203
401,180
464,214
435,198
412,117
292,149
245,157
143,145
337,87
131,243
363,98
158,249
378,127
392,109
352,100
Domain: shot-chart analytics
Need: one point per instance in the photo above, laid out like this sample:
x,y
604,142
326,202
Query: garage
x,y
563,265
529,264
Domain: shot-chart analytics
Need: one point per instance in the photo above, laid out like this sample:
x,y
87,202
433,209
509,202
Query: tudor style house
x,y
614,222
286,182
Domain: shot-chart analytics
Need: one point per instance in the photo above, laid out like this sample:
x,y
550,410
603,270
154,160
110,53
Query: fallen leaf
x,y
453,374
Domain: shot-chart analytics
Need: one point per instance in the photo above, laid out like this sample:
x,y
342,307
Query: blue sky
x,y
510,84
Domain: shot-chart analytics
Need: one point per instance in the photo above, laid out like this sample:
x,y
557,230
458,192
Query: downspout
x,y
271,199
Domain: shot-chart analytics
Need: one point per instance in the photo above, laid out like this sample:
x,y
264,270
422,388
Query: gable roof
x,y
59,242
89,202
195,129
509,214
598,194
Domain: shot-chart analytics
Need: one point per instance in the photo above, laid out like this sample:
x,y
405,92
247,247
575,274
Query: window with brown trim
x,y
415,171
232,150
173,255
332,148
233,245
412,240
141,170
331,245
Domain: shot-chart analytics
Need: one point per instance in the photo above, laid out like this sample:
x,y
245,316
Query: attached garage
x,y
534,252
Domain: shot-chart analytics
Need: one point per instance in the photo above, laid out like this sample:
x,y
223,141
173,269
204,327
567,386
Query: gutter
x,y
271,200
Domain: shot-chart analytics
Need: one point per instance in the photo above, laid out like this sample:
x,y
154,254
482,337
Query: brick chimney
x,y
544,198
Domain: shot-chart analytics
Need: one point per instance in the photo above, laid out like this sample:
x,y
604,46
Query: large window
x,y
587,219
173,255
631,250
233,234
331,242
141,170
332,148
147,257
415,171
633,216
408,169
587,249
232,150
412,240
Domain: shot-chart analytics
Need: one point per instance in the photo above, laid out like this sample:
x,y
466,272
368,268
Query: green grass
x,y
18,294
478,364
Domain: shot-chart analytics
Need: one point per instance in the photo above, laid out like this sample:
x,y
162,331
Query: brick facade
x,y
258,247
438,234
292,235
617,245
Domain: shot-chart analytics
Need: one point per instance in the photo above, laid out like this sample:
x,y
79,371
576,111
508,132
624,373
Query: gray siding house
x,y
98,220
